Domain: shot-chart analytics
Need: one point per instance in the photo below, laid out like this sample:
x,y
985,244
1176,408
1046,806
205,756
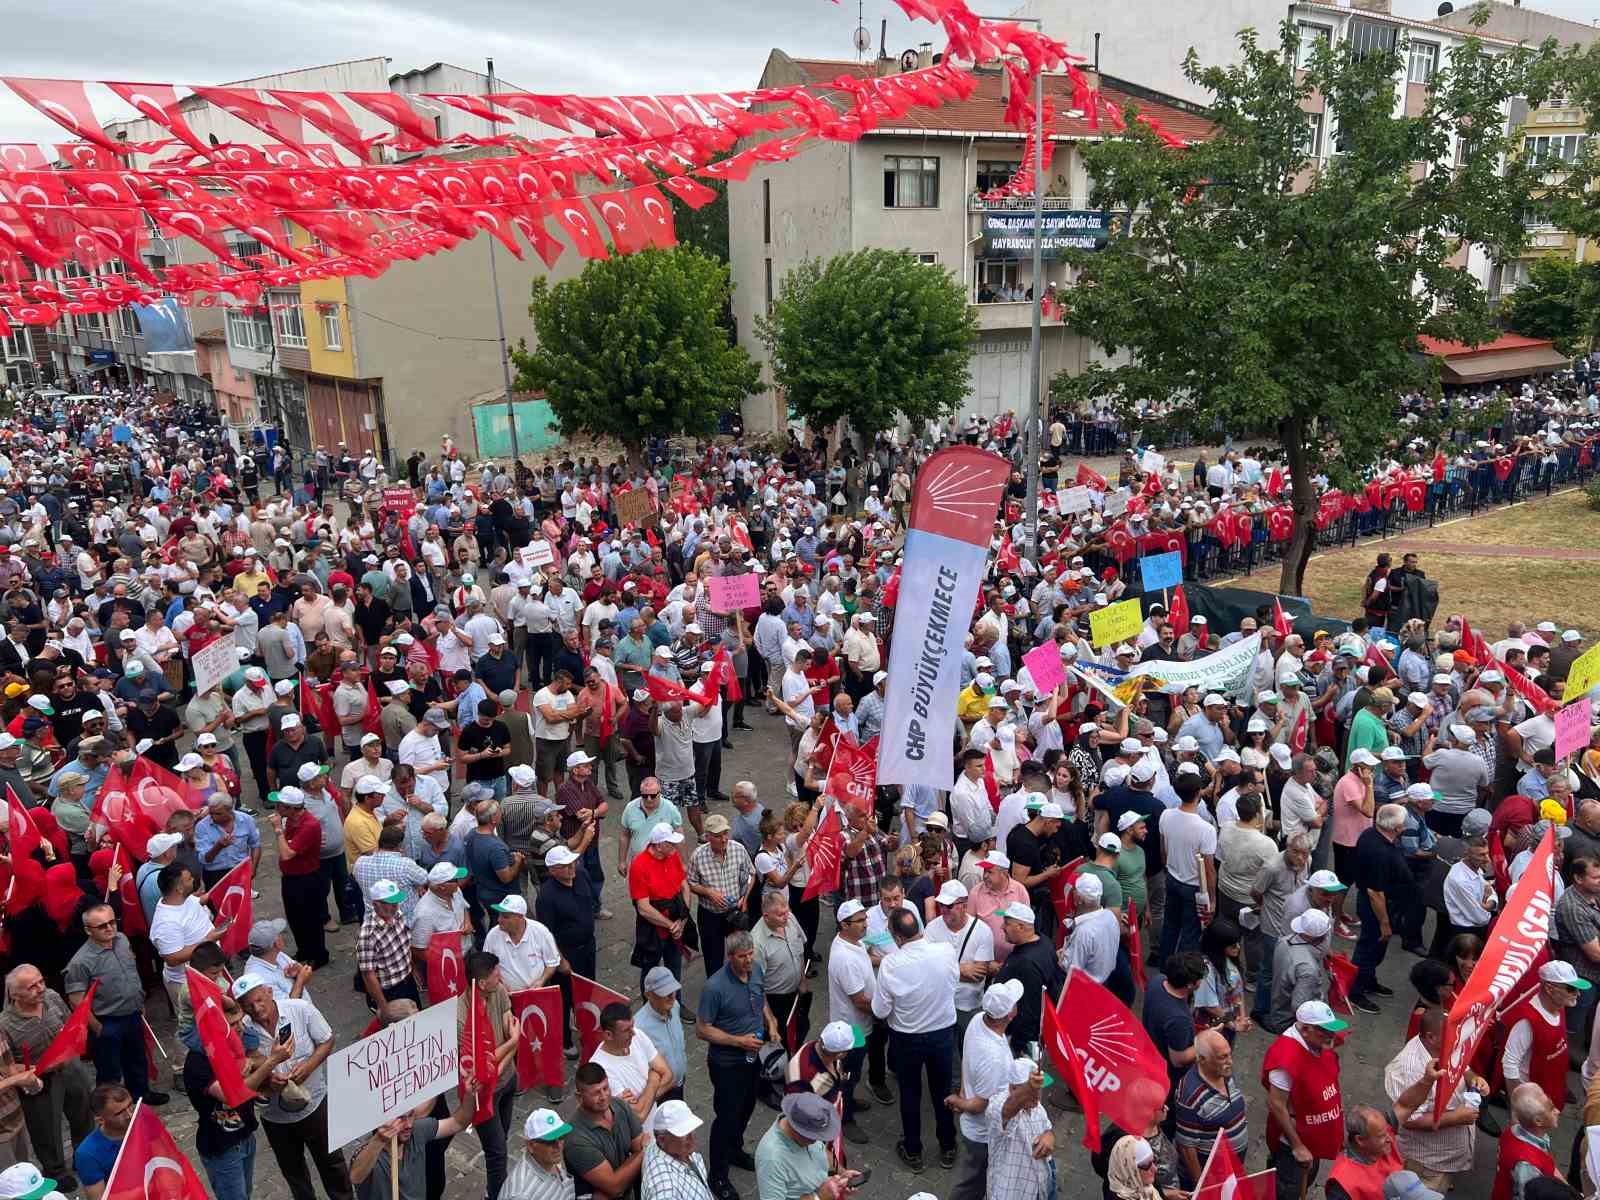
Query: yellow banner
x,y
1116,623
1583,675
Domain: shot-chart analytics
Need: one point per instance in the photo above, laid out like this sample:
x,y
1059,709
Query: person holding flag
x,y
116,1015
986,1060
1305,1111
225,1136
32,1017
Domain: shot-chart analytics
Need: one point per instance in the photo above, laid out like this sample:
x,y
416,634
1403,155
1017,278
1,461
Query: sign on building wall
x,y
1010,234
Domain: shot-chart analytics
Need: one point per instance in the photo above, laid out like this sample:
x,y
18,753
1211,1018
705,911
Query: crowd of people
x,y
461,693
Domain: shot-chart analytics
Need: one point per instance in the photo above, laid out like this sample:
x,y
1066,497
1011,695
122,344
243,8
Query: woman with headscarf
x,y
1161,1176
1131,1170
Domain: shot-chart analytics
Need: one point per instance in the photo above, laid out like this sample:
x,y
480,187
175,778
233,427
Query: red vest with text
x,y
1364,1181
1548,1064
1314,1099
1514,1150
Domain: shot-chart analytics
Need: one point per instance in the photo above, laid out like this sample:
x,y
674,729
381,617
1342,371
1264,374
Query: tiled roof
x,y
1505,342
984,111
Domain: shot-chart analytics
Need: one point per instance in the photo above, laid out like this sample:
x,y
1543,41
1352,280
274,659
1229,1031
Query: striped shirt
x,y
527,1180
1202,1111
1446,1150
1014,1173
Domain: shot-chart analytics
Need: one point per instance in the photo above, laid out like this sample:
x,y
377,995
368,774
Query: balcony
x,y
976,203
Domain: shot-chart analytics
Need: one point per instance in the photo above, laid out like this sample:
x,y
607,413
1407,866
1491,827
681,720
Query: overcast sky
x,y
613,46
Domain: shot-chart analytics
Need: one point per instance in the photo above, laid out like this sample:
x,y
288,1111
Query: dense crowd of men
x,y
462,694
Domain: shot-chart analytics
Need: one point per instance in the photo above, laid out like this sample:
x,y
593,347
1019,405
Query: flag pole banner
x,y
1515,942
952,521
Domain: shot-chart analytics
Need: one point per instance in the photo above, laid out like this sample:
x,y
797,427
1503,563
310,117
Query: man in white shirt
x,y
1301,808
181,922
916,996
440,909
525,947
1539,1055
852,984
1095,937
1469,897
421,751
1189,841
635,1069
971,817
985,1066
973,941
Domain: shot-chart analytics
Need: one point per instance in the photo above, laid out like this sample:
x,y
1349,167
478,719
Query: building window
x,y
1311,139
245,247
1463,150
332,331
910,182
248,330
766,211
127,325
992,175
1311,36
1557,148
930,260
1373,37
769,287
1424,62
288,322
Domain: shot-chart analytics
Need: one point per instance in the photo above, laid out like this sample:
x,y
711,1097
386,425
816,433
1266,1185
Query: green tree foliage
x,y
1560,301
705,228
633,349
1278,296
870,337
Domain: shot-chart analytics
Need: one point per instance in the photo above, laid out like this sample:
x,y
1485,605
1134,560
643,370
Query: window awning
x,y
1511,364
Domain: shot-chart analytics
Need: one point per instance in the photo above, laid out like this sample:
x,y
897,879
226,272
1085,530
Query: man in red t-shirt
x,y
1305,1112
305,893
659,889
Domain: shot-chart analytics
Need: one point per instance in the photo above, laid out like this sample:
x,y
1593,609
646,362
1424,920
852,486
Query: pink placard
x,y
1044,667
732,592
1572,727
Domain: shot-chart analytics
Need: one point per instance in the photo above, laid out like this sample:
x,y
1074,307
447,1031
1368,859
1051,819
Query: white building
x,y
916,186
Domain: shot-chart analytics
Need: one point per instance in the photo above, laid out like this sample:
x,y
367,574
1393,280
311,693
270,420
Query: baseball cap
x,y
545,1125
290,721
1129,819
1130,745
936,820
1110,841
1392,754
161,843
291,796
1229,754
675,1117
717,823
578,759
995,859
246,984
660,981
264,933
665,833
447,872
1187,744
1408,1185
1325,881
371,785
1051,811
1560,971
1318,1014
1001,998
1361,757
1144,770
1421,791
24,1182
850,908
309,771
559,856
1313,923
513,904
1089,886
1018,912
387,891
190,762
952,892
1212,698
837,1036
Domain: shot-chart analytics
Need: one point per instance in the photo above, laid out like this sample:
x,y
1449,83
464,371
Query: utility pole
x,y
500,317
1032,441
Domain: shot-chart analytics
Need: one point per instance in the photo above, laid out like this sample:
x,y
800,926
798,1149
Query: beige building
x,y
919,186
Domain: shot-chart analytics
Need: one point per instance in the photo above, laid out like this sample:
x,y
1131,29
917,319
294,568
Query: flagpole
x,y
155,1039
123,1145
500,318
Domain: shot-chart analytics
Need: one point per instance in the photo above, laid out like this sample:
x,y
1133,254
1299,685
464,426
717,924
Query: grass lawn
x,y
1491,591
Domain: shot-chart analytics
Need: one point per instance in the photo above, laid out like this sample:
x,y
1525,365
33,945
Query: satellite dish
x,y
908,60
863,39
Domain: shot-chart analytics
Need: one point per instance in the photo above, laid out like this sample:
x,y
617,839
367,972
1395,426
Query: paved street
x,y
759,756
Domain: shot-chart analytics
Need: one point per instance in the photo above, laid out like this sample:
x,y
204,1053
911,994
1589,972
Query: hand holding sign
x,y
731,593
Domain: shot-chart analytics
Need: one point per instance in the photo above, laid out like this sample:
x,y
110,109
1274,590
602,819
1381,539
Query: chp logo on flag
x,y
853,774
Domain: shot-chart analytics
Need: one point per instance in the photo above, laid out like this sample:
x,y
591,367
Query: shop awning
x,y
1509,356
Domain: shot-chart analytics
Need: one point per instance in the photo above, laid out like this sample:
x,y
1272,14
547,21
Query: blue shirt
x,y
246,838
94,1158
467,707
734,1006
1203,730
91,791
666,1034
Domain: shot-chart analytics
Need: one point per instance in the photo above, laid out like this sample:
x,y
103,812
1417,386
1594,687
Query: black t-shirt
x,y
286,761
1026,847
1381,866
161,723
220,1128
425,697
1121,799
1169,1022
567,912
68,721
475,738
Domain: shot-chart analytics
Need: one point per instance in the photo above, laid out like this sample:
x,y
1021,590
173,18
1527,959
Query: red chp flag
x,y
72,1039
1514,945
224,1050
539,1049
447,975
1088,478
588,998
230,900
1060,1049
1120,1062
853,774
477,1049
133,922
20,830
1341,978
150,1166
825,854
1136,947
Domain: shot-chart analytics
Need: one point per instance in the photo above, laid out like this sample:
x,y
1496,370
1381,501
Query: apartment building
x,y
388,364
919,186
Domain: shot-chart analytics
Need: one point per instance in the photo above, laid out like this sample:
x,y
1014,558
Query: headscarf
x,y
1122,1172
62,894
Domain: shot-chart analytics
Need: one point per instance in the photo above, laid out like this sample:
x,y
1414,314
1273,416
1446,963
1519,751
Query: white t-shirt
x,y
524,963
554,731
175,926
1183,835
1093,944
986,1060
631,1072
1536,733
849,973
431,915
1298,807
796,694
978,948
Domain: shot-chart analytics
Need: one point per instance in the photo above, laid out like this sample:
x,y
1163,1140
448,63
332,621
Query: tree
x,y
1560,301
872,336
1279,296
705,228
632,349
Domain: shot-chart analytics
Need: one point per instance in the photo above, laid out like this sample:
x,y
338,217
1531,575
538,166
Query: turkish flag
x,y
133,922
224,1050
1126,1070
1275,483
136,803
1438,467
1515,941
20,829
477,1049
1538,699
1302,729
1221,1165
1178,615
1064,899
588,998
1415,493
150,1166
825,854
853,774
1472,642
1066,1059
65,102
447,975
1375,657
230,899
1280,619
1088,478
317,703
1502,468
1224,529
1136,947
579,225
1341,978
539,1050
72,1040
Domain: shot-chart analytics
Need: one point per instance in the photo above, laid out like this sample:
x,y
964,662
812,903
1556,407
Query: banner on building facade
x,y
1010,234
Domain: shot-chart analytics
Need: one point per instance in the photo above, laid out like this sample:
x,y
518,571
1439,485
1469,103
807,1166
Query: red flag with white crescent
x,y
133,922
150,1166
1178,615
1302,730
588,998
224,1048
1280,619
230,900
539,1049
72,1039
476,1048
22,833
447,974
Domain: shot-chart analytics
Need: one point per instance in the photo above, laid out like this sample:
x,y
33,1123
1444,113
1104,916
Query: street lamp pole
x,y
1032,440
500,317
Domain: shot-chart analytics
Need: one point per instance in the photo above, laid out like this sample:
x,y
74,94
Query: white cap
x,y
22,1181
1392,754
246,984
1018,912
559,856
1229,754
1316,1013
1419,791
1362,757
953,891
1053,812
663,834
1267,698
447,872
1416,700
1110,841
1325,881
1130,745
292,796
1212,698
513,904
1089,886
161,843
878,677
848,909
190,762
1001,998
837,1037
290,721
1129,819
578,759
1143,771
1463,733
370,785
309,771
1187,744
1558,970
521,774
675,1117
1313,923
1571,635
995,859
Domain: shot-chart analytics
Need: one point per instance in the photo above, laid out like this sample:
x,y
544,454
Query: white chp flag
x,y
952,517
